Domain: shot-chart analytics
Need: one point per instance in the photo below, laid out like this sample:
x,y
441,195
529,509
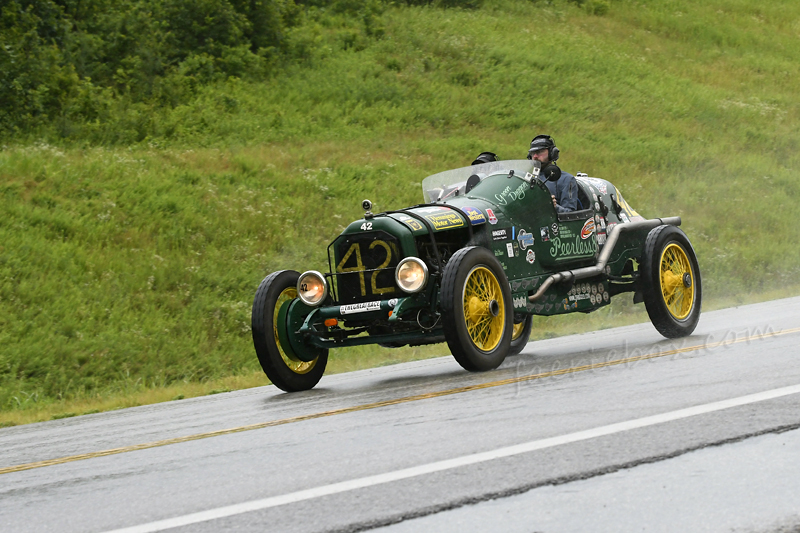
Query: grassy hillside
x,y
127,269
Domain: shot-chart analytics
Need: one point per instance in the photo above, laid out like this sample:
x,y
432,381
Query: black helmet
x,y
540,142
485,157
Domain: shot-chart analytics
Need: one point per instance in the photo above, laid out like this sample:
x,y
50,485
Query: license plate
x,y
359,308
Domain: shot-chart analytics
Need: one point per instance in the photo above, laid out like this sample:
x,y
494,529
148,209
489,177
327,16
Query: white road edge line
x,y
508,451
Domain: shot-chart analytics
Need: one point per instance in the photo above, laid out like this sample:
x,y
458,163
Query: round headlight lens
x,y
312,287
411,274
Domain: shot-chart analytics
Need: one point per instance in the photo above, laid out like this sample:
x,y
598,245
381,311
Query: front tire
x,y
672,287
283,368
476,309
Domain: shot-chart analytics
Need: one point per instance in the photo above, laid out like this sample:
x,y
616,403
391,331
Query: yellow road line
x,y
385,403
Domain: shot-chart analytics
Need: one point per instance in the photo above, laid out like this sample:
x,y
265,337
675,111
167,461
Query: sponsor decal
x,y
492,218
392,303
359,308
525,239
516,248
510,249
624,217
498,253
601,239
554,229
451,219
599,184
439,218
475,216
610,227
509,195
500,234
544,233
520,301
412,223
530,257
576,297
577,246
597,206
588,229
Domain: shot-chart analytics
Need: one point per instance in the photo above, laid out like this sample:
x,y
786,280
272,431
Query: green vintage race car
x,y
471,266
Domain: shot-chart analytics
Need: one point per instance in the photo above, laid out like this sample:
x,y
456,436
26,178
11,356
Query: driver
x,y
562,185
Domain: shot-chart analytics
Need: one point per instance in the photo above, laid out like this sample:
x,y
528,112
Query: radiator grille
x,y
364,268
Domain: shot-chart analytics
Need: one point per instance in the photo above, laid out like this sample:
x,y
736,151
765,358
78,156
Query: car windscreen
x,y
452,183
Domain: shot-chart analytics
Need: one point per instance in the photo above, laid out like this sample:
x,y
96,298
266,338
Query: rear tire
x,y
672,287
284,369
520,335
476,309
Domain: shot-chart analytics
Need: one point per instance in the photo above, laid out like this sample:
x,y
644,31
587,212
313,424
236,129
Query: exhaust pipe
x,y
605,255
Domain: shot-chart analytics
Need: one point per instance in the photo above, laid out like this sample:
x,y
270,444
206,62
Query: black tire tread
x,y
263,340
664,322
450,296
517,345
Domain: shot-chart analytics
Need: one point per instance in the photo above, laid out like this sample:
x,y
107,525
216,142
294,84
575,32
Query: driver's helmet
x,y
485,157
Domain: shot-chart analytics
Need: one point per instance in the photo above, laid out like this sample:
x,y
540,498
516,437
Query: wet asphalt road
x,y
613,430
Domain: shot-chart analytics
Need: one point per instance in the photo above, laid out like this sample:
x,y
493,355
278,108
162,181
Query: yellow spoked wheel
x,y
295,365
677,281
520,334
276,346
475,301
670,281
484,309
516,333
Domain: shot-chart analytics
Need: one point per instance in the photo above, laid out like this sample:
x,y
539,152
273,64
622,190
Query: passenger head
x,y
485,157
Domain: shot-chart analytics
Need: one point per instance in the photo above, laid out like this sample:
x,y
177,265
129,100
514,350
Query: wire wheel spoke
x,y
517,330
480,290
675,271
295,365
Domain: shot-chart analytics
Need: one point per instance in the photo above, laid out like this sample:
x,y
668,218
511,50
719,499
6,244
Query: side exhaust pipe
x,y
605,255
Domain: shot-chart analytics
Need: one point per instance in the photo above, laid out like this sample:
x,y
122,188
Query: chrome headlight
x,y
411,274
312,288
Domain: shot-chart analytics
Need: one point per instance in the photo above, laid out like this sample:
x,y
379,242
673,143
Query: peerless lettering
x,y
578,247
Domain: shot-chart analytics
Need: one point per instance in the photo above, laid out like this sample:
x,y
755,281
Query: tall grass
x,y
127,269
